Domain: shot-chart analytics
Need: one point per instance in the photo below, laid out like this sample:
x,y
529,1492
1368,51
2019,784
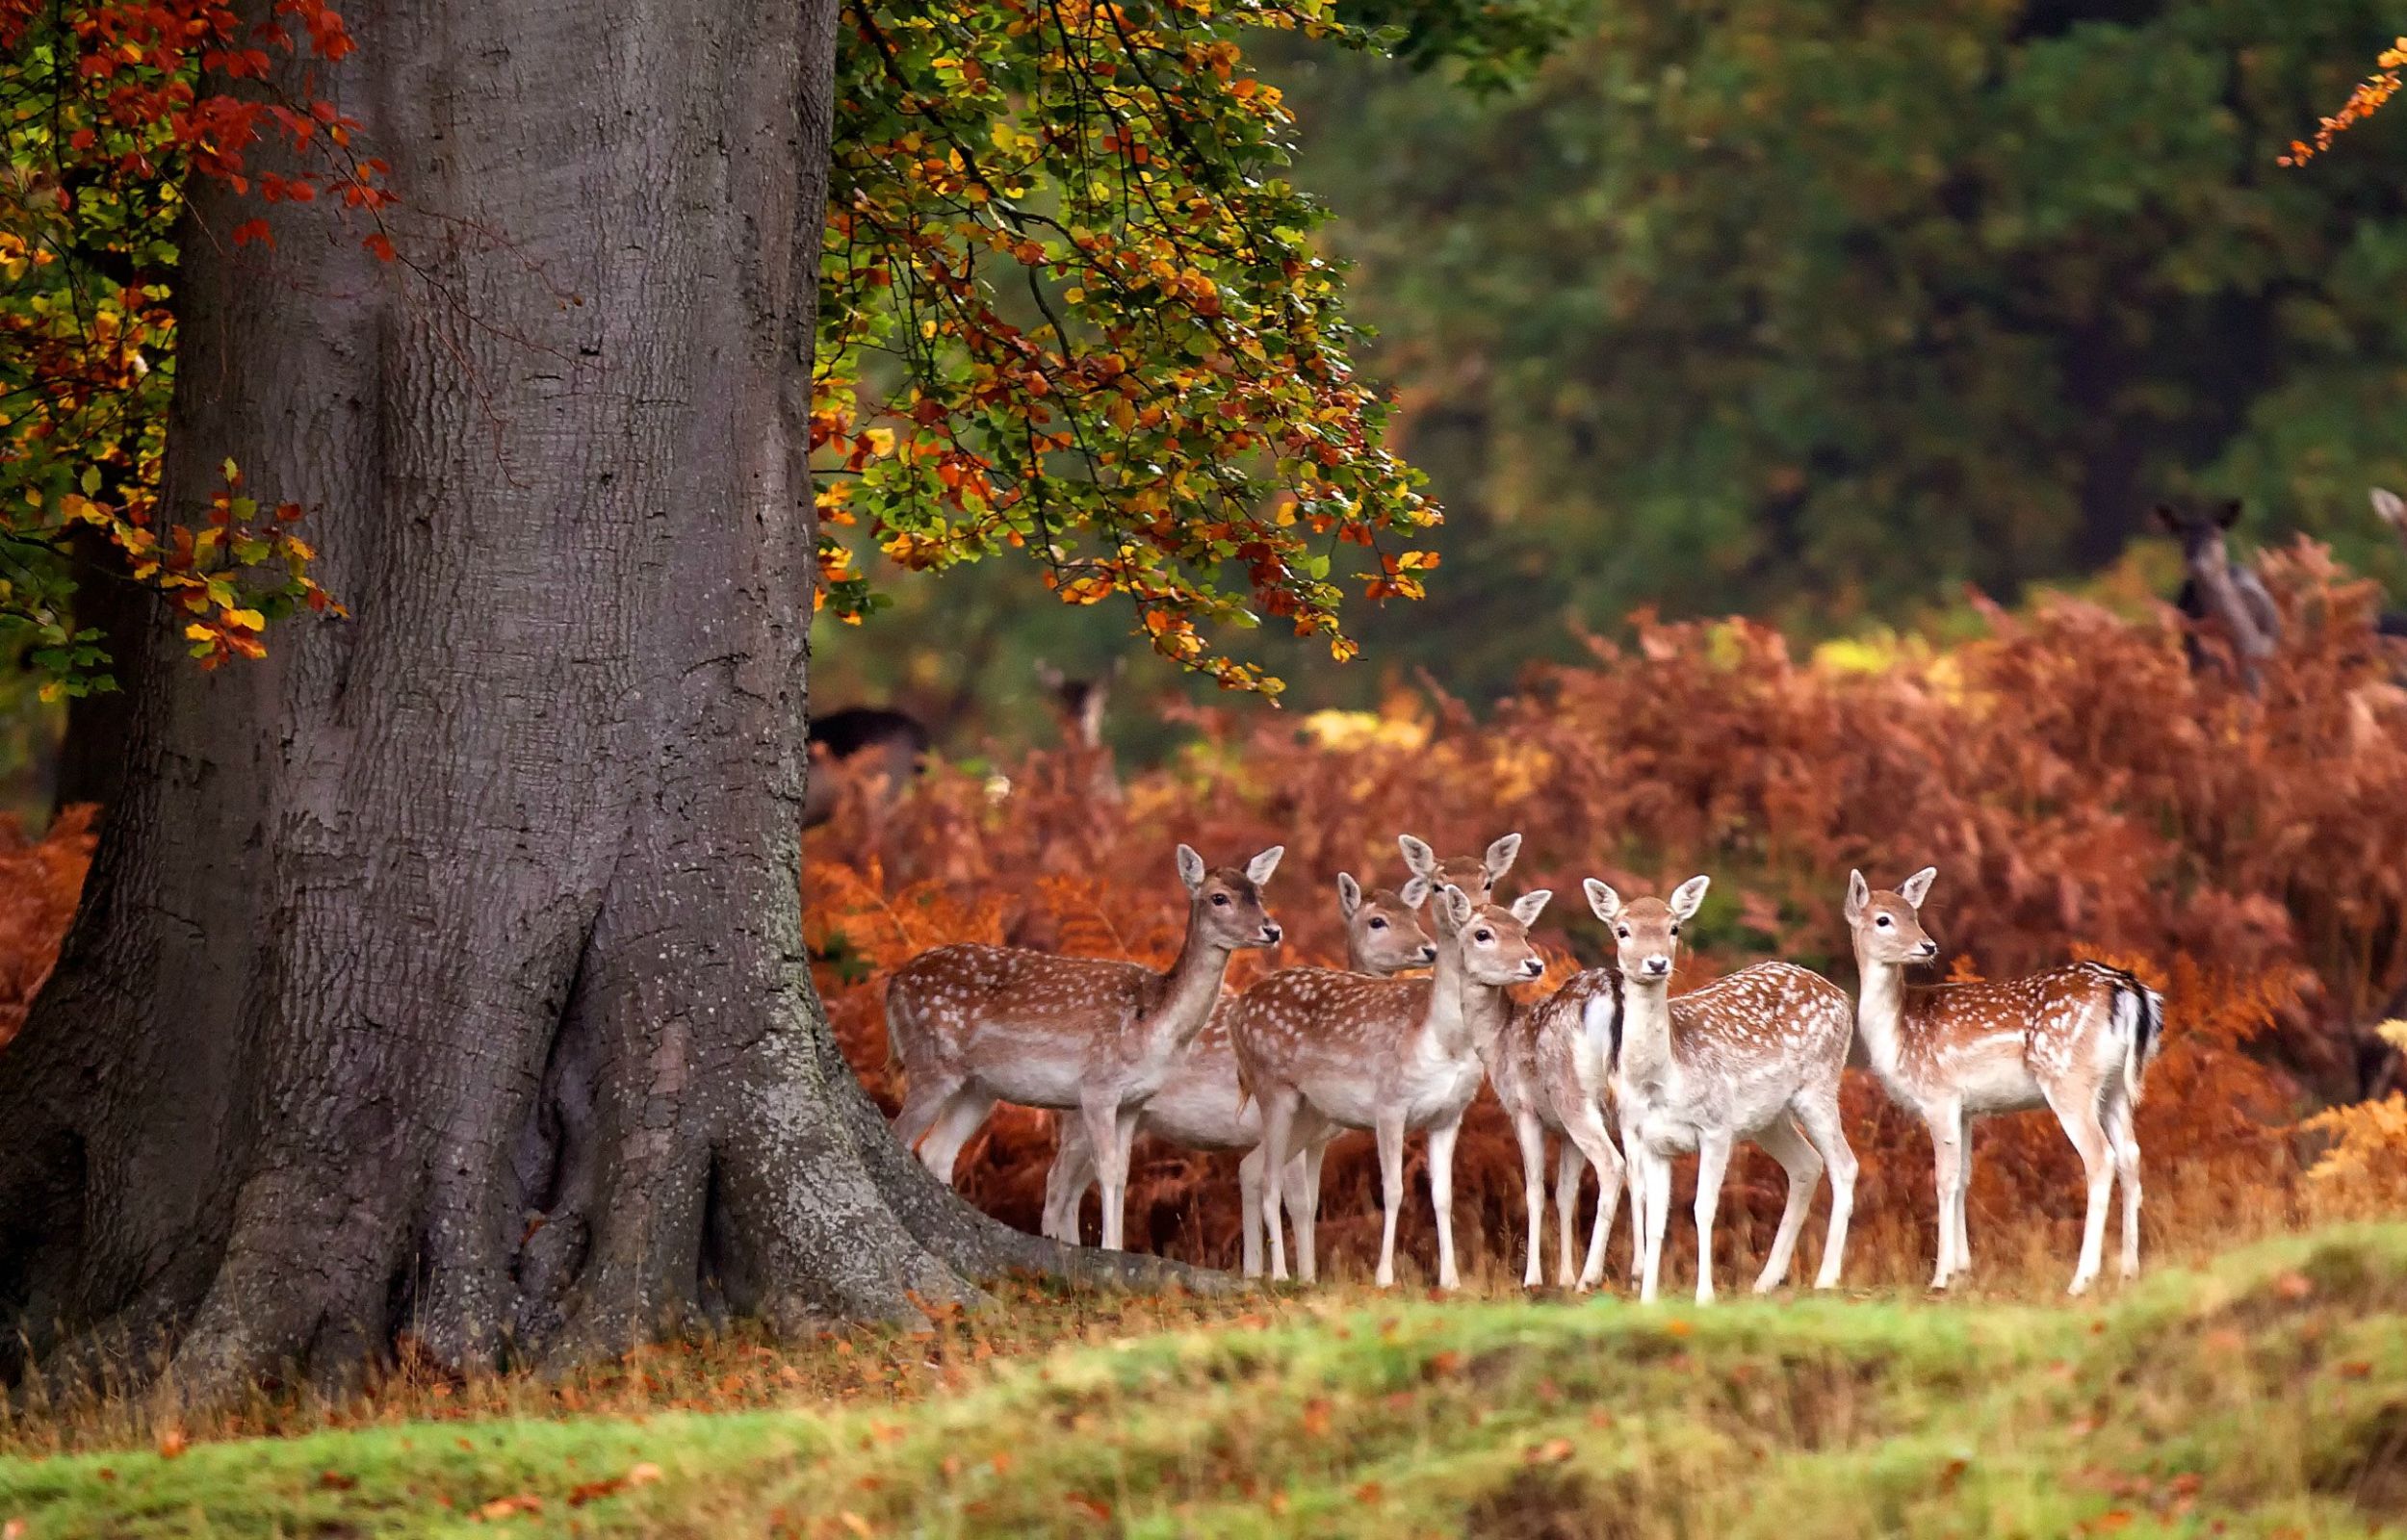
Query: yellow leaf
x,y
249,618
199,633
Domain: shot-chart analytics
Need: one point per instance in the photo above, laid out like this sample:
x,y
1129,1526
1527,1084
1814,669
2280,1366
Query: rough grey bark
x,y
444,973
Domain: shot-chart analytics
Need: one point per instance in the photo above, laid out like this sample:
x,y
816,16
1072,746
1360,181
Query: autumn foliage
x,y
39,884
2080,789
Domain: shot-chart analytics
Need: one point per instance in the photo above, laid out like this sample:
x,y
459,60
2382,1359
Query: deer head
x,y
1226,903
2199,524
1079,702
1382,932
1476,878
1887,925
1646,931
1494,940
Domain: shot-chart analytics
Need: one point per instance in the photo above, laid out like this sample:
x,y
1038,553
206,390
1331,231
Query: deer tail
x,y
2138,1015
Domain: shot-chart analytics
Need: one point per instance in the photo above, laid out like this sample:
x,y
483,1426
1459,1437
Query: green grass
x,y
2265,1395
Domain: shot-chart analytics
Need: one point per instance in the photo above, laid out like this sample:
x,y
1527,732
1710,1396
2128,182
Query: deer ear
x,y
2228,514
1689,897
1858,896
1529,904
1602,901
2391,509
1419,858
1453,909
1917,887
1348,894
1499,857
1415,893
1258,870
1191,868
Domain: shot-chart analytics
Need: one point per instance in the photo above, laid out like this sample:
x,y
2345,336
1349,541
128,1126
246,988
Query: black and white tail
x,y
2138,1017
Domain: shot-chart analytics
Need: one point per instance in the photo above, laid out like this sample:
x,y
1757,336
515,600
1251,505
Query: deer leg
x,y
1279,1111
1250,1210
960,1120
1530,1135
1111,1163
1963,1191
1781,1141
1713,1160
2076,1108
1658,1205
1569,1161
1304,1201
1441,1199
1946,1123
2125,1143
1588,1134
922,1106
1067,1178
1389,1131
1828,1132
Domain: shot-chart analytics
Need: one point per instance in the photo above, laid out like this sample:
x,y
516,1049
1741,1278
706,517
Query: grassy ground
x,y
2265,1394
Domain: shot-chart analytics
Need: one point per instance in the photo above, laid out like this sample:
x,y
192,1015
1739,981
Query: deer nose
x,y
1658,965
1929,948
1271,935
1531,967
1428,952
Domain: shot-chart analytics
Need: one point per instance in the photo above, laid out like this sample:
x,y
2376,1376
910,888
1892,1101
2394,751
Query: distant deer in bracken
x,y
2076,1040
1754,1056
2220,589
1077,704
2392,510
1322,1050
975,1025
1551,1062
892,741
1201,1107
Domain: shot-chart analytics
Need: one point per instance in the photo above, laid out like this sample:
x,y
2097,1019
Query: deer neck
x,y
1445,1030
1645,1027
2211,569
1880,1012
1192,986
1487,1013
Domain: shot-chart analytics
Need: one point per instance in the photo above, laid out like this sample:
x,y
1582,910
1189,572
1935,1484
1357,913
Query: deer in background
x,y
1077,706
1322,1050
1754,1056
2392,510
896,740
2220,590
2076,1040
1201,1107
973,1025
1550,1061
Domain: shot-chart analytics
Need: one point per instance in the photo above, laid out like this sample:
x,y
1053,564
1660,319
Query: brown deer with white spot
x,y
973,1025
1322,1050
1755,1056
2076,1040
1201,1107
1550,1061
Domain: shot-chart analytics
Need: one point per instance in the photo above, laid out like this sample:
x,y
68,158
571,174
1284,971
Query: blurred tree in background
x,y
1817,312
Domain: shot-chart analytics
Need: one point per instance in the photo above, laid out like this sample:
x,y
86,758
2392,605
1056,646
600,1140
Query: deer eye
x,y
1221,900
1483,936
1624,932
1675,930
1883,922
1378,924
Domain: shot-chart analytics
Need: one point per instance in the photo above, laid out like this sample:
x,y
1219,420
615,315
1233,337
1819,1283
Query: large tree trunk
x,y
444,974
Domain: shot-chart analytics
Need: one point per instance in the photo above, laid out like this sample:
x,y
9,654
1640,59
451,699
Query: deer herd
x,y
1623,1073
